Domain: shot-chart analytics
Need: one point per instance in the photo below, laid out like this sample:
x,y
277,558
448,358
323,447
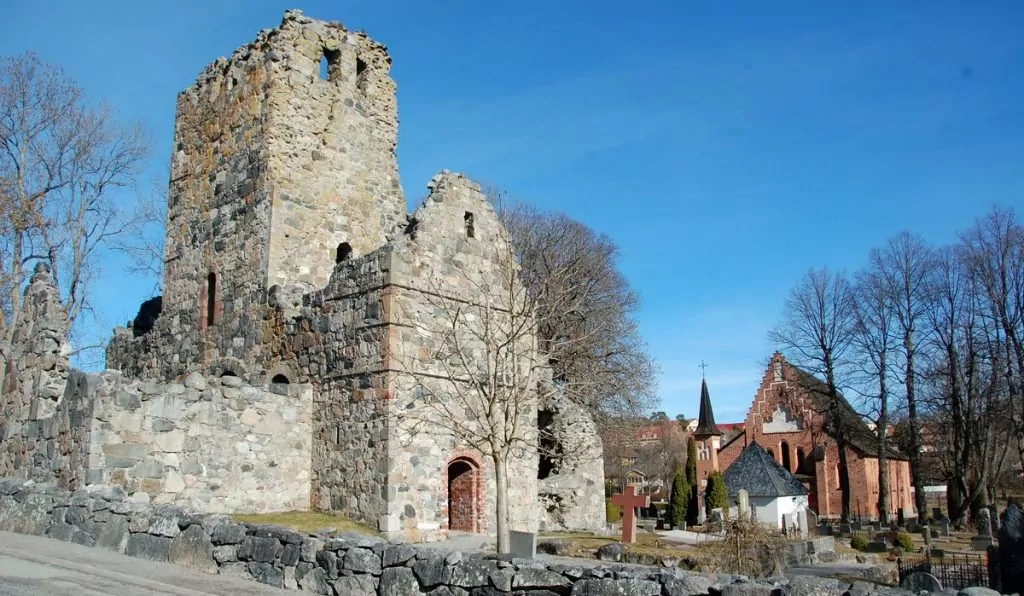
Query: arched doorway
x,y
785,456
463,495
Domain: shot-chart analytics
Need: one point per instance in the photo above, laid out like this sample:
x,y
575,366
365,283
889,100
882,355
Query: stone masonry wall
x,y
571,497
38,364
274,169
350,564
332,149
339,339
43,425
216,445
441,266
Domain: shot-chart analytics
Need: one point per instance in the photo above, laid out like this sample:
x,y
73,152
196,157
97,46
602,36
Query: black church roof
x,y
706,420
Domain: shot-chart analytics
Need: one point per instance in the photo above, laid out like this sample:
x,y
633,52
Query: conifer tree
x,y
693,501
717,494
679,500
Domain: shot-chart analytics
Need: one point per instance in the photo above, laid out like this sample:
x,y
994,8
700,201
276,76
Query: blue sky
x,y
726,150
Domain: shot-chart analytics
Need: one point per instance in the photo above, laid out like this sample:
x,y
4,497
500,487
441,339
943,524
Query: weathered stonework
x,y
351,564
291,263
571,495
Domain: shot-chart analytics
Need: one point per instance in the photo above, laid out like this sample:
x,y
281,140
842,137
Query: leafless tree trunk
x,y
994,252
61,165
904,264
817,329
874,339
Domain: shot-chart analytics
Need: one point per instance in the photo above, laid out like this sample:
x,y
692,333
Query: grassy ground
x,y
305,521
585,545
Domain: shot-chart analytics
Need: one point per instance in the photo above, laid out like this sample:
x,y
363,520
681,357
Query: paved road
x,y
35,566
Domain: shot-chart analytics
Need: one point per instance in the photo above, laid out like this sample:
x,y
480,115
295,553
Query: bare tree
x,y
61,165
994,254
874,338
585,311
966,384
903,265
817,329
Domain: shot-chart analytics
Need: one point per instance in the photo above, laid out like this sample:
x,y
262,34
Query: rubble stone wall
x,y
332,149
571,497
214,444
350,564
340,333
449,273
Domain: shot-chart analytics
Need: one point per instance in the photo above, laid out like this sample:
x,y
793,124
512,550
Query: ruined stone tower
x,y
284,163
292,264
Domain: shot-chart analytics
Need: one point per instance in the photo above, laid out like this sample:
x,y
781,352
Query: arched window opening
x,y
470,230
228,373
360,67
279,384
344,252
800,459
329,64
211,298
785,456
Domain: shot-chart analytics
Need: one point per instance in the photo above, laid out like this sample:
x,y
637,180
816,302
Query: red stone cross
x,y
629,500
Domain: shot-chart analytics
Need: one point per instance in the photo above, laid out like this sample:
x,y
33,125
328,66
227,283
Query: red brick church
x,y
786,419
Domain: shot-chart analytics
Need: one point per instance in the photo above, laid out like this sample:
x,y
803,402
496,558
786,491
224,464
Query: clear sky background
x,y
725,149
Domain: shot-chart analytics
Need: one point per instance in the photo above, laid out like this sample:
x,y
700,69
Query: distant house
x,y
776,496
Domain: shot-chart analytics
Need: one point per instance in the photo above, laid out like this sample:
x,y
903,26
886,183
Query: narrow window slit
x,y
344,252
211,298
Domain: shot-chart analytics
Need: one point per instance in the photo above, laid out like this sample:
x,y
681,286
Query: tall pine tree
x,y
679,500
693,502
717,493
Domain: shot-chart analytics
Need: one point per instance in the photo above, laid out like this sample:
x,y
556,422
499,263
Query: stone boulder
x,y
612,552
193,549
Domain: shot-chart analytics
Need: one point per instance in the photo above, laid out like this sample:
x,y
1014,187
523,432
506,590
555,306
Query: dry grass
x,y
305,521
582,544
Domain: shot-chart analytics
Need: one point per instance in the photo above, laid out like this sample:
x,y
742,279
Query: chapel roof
x,y
760,475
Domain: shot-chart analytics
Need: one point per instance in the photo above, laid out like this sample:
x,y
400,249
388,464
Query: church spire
x,y
706,426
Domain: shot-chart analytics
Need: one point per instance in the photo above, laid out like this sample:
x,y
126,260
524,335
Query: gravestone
x,y
1011,550
936,513
744,503
629,500
919,581
802,519
927,533
944,527
877,546
984,539
522,544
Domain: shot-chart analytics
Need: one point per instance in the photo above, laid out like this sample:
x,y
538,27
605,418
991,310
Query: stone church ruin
x,y
271,373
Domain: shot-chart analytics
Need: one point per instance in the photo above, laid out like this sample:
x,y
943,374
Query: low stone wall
x,y
350,564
